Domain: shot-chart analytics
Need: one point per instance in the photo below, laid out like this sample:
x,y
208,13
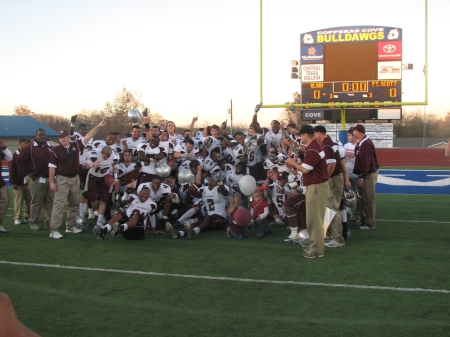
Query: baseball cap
x,y
291,125
63,133
306,129
351,129
274,122
360,128
320,128
282,175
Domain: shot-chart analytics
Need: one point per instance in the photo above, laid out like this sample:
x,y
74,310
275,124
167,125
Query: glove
x,y
224,125
190,156
117,204
257,107
285,135
73,120
145,113
293,184
219,176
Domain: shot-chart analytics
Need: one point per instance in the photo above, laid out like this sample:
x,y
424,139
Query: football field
x,y
392,281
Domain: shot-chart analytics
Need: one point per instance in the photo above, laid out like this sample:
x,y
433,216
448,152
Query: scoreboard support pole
x,y
343,131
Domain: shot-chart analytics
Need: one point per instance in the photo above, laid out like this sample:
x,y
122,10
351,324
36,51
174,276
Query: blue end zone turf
x,y
414,182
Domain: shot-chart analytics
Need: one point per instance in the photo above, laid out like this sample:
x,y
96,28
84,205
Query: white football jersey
x,y
144,209
230,156
272,138
277,197
105,165
214,201
211,143
133,144
163,191
231,177
150,167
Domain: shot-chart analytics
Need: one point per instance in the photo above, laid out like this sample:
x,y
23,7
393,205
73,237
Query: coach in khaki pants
x,y
315,178
64,179
21,190
33,163
366,167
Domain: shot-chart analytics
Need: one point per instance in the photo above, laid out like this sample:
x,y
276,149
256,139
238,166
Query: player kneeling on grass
x,y
139,215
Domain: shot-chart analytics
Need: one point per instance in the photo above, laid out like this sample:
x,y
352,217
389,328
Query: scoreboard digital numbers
x,y
355,64
352,92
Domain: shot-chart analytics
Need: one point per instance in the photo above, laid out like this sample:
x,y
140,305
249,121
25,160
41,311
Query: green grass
x,y
399,254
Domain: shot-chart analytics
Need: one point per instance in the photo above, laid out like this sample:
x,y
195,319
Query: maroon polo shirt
x,y
66,160
365,158
331,154
34,158
314,161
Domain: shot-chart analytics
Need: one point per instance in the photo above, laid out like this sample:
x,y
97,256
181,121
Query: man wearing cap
x,y
32,162
64,179
315,178
336,182
366,167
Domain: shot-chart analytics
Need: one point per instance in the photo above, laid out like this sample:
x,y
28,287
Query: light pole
x,y
230,112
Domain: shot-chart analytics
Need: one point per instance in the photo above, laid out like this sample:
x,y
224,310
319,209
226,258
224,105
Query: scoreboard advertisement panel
x,y
354,64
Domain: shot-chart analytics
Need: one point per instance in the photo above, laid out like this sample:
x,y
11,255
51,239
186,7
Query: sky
x,y
191,57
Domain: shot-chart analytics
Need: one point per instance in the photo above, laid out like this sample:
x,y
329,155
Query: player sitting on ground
x,y
139,215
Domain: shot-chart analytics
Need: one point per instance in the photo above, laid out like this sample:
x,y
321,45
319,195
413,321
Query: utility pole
x,y
231,116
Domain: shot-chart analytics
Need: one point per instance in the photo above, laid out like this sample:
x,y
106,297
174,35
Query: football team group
x,y
156,180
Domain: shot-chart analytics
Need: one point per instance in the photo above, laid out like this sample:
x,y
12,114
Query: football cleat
x,y
100,231
171,230
190,232
117,228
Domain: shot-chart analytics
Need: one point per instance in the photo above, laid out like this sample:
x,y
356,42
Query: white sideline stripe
x,y
234,279
426,221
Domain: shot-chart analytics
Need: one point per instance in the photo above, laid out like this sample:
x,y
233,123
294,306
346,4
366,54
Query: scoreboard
x,y
354,64
352,92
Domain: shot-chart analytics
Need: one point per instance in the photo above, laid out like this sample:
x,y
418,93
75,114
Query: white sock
x,y
165,217
82,208
196,230
91,212
175,211
278,220
125,227
294,230
181,234
101,218
108,227
187,215
344,215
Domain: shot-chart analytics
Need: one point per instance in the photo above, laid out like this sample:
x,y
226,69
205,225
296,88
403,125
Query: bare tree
x,y
23,110
286,116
